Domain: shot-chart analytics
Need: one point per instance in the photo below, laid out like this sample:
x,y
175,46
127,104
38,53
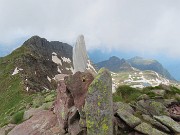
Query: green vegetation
x,y
18,117
127,94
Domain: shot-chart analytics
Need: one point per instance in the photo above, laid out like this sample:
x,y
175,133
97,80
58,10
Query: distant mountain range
x,y
116,64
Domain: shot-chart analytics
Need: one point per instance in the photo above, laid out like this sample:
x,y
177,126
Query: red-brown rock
x,y
78,85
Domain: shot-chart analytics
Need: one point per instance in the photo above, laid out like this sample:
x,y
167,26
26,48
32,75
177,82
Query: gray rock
x,y
98,105
169,122
151,107
123,106
155,123
148,129
130,119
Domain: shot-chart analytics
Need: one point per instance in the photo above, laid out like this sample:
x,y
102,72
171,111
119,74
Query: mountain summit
x,y
115,64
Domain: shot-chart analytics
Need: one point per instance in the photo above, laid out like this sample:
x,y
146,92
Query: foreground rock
x,y
169,122
6,129
148,129
71,94
98,106
44,122
155,123
130,119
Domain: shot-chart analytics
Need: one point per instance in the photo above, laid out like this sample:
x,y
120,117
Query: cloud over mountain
x,y
141,26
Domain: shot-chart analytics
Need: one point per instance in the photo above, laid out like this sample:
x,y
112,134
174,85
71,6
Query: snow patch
x,y
16,70
59,70
55,59
66,59
54,53
27,89
49,79
46,89
71,69
90,67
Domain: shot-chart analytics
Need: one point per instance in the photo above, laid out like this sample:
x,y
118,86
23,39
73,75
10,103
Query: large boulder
x,y
98,106
71,94
77,85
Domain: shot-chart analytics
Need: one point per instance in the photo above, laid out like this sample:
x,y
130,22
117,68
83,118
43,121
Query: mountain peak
x,y
114,58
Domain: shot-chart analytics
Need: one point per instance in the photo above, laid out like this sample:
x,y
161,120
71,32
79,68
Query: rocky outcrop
x,y
71,94
81,61
98,106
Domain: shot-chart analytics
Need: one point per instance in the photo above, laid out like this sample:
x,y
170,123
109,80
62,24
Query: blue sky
x,y
147,28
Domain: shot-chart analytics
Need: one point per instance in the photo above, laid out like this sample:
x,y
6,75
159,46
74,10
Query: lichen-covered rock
x,y
98,106
148,129
151,107
155,123
130,119
169,122
122,106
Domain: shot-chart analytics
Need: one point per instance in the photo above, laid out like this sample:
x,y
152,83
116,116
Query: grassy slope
x,y
12,96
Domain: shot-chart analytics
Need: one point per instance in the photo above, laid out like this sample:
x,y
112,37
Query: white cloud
x,y
150,26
